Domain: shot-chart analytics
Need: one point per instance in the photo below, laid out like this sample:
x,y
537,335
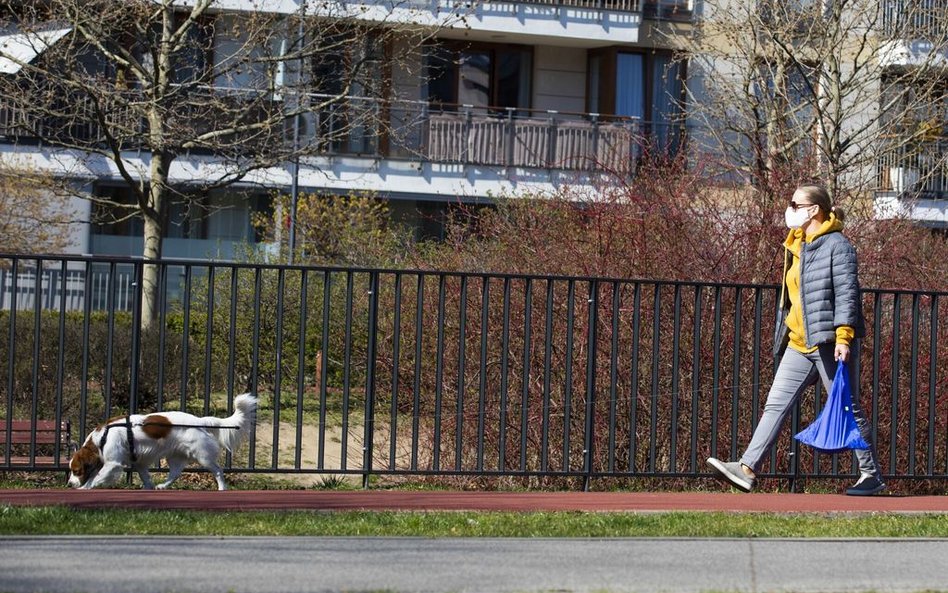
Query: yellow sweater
x,y
794,320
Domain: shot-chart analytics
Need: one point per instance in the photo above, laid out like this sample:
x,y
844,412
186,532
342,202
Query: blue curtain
x,y
666,91
630,90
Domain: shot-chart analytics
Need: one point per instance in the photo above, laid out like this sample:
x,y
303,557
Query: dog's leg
x,y
108,475
175,467
145,475
218,475
207,456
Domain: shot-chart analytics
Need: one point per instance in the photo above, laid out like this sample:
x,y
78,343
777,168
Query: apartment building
x,y
465,103
912,177
495,99
853,92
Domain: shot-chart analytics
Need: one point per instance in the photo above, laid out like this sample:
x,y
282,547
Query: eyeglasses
x,y
795,206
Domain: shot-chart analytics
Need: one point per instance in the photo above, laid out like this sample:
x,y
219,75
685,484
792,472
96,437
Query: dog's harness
x,y
130,435
128,431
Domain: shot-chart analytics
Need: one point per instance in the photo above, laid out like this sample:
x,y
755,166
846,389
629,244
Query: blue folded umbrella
x,y
835,429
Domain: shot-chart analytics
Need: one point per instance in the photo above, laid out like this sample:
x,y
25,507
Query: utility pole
x,y
295,166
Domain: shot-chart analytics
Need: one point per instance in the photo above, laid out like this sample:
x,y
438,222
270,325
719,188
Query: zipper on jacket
x,y
806,339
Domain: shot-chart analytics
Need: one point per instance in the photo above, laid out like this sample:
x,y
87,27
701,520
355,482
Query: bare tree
x,y
35,212
837,88
134,85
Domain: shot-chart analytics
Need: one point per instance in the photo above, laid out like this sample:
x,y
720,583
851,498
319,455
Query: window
x,y
191,64
229,212
906,103
667,9
350,63
792,86
645,87
112,217
243,57
630,85
186,216
347,61
482,75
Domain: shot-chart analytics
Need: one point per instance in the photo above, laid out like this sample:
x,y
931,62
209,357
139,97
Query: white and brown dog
x,y
139,441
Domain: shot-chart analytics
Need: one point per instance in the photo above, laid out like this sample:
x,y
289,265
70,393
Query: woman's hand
x,y
842,352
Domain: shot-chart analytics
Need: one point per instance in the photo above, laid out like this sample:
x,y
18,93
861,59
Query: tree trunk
x,y
153,209
153,216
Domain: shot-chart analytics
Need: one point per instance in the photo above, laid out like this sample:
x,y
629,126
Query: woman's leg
x,y
794,374
826,365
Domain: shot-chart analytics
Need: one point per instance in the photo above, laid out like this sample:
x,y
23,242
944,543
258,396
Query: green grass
x,y
65,521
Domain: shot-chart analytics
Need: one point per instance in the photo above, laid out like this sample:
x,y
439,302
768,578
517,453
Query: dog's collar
x,y
128,432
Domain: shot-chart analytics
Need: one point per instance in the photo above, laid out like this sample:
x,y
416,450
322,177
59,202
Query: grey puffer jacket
x,y
829,285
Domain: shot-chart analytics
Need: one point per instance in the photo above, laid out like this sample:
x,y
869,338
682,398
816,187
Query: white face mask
x,y
797,218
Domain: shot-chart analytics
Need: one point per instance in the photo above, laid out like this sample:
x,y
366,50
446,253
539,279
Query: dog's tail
x,y
244,418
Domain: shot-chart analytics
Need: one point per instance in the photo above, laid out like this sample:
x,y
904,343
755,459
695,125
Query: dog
x,y
140,441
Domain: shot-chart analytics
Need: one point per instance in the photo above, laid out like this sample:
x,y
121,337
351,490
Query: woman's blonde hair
x,y
817,194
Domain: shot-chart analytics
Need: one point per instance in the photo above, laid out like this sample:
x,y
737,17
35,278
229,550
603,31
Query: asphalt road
x,y
315,564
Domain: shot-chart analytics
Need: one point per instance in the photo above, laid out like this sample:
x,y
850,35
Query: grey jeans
x,y
795,374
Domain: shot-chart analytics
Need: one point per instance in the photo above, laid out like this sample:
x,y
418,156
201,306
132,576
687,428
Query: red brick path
x,y
482,501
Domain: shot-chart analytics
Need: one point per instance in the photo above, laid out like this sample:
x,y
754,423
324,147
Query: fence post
x,y
11,361
509,155
369,437
551,151
594,160
136,337
592,338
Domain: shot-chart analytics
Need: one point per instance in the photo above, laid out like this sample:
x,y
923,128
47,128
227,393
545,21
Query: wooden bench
x,y
52,439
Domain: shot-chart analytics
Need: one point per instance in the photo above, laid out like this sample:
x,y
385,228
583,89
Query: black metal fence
x,y
420,372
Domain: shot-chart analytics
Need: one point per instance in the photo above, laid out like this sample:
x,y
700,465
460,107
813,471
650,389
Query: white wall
x,y
81,211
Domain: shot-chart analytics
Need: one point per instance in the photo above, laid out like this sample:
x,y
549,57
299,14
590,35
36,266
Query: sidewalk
x,y
379,500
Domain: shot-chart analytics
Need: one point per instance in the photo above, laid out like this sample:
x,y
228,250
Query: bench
x,y
52,439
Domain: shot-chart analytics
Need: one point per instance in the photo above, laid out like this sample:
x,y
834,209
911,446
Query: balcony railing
x,y
411,130
616,5
914,19
917,170
668,10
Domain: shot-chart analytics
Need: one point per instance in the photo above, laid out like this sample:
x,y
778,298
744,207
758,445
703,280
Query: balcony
x,y
528,139
586,22
912,182
920,170
913,20
369,128
613,5
668,10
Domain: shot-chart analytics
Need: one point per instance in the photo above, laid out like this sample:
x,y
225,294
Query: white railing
x,y
919,170
914,19
55,291
616,5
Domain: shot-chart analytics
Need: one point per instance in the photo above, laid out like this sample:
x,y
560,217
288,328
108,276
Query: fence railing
x,y
425,372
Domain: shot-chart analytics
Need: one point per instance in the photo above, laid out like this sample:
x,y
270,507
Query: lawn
x,y
65,521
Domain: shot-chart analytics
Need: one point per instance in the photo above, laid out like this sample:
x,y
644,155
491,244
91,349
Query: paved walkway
x,y
322,500
468,565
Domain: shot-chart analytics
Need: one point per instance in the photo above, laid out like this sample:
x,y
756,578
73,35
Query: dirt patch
x,y
309,450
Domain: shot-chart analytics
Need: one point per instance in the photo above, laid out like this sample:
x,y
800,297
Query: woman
x,y
819,318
